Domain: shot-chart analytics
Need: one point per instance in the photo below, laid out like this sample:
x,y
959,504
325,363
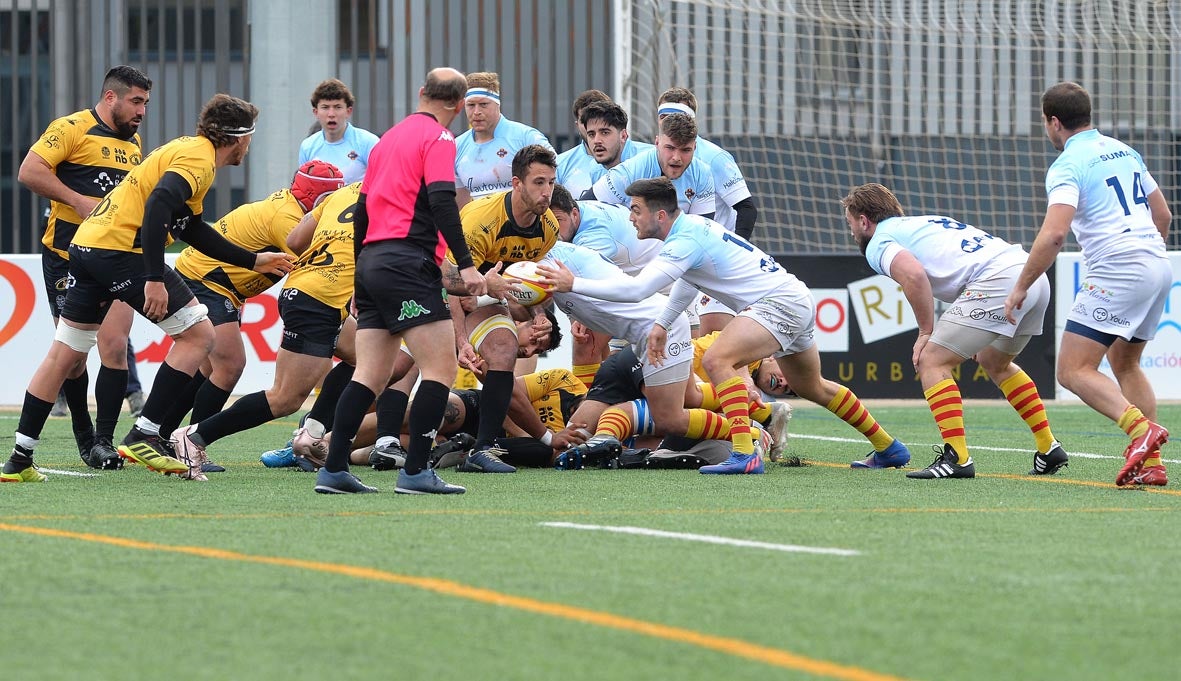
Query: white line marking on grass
x,y
707,538
1019,450
76,474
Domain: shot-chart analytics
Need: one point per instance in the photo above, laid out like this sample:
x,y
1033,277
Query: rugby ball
x,y
528,291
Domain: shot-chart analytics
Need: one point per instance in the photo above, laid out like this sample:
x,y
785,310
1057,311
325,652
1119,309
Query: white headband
x,y
482,92
239,132
675,107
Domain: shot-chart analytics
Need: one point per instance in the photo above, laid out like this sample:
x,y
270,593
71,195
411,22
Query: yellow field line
x,y
729,646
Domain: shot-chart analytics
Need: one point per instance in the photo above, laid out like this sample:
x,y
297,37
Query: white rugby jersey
x,y
607,229
695,186
701,253
1108,184
953,253
729,184
628,320
487,167
578,170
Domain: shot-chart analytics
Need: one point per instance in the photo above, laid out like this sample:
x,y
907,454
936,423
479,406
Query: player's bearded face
x,y
537,188
857,230
674,157
606,143
240,150
128,111
643,219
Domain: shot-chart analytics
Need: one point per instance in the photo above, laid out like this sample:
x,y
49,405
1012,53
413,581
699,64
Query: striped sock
x,y
736,409
948,409
1153,460
1133,421
850,410
760,413
1020,391
707,425
585,373
615,422
709,397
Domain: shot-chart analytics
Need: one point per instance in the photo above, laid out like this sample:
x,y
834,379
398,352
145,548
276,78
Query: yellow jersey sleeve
x,y
325,270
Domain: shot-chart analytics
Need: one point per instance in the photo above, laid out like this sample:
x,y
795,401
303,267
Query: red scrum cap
x,y
313,180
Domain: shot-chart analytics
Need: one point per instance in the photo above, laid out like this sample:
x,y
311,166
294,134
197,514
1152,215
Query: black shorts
x,y
221,309
309,326
620,378
55,270
99,275
397,287
471,411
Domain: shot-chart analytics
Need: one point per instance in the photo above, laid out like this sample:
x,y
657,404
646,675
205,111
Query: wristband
x,y
547,439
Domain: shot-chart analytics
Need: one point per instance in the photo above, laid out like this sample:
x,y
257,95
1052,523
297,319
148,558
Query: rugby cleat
x,y
1050,462
1138,450
894,456
189,452
314,449
485,460
777,428
736,464
341,482
425,481
1152,475
103,455
149,450
945,465
388,457
28,474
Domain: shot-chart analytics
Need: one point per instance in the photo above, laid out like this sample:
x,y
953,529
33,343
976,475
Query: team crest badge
x,y
502,152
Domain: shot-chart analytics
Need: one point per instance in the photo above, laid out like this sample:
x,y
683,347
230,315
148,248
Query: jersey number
x,y
966,245
765,264
1137,192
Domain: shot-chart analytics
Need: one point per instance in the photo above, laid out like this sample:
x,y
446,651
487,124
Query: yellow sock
x,y
736,409
760,414
1153,459
709,397
850,410
948,409
615,422
1022,394
585,373
1132,421
707,425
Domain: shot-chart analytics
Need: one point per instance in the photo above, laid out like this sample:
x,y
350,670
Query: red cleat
x,y
1152,475
1138,450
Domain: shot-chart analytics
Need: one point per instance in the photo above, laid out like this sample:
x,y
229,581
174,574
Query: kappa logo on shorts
x,y
411,309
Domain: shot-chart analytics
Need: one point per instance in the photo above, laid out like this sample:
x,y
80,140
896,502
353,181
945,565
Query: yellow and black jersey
x,y
493,236
325,270
259,227
700,345
114,223
89,158
555,394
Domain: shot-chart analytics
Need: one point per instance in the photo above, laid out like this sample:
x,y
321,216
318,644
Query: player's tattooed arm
x,y
451,279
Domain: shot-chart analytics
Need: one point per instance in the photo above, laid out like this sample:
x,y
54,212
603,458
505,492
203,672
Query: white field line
x,y
1019,450
76,474
708,539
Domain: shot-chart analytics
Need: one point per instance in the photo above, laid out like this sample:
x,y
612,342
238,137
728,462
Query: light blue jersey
x,y
487,167
578,171
953,253
1108,184
606,229
729,184
695,186
350,153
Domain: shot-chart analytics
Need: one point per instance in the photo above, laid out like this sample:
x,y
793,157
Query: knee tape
x,y
184,319
78,340
489,325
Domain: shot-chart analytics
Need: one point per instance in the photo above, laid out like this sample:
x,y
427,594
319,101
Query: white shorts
x,y
1123,295
707,305
678,356
977,317
790,315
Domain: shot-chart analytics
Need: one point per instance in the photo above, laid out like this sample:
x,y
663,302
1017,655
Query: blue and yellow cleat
x,y
737,464
894,456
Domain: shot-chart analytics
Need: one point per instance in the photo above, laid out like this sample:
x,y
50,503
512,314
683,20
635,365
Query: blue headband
x,y
482,92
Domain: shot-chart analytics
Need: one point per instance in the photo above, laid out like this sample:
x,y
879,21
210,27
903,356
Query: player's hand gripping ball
x,y
528,290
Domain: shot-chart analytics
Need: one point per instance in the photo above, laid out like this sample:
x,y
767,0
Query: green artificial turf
x,y
1001,577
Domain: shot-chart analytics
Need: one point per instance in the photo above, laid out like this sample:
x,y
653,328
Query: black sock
x,y
169,383
350,411
182,404
109,389
250,411
75,390
20,459
425,415
494,399
210,400
133,385
391,410
324,408
34,413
